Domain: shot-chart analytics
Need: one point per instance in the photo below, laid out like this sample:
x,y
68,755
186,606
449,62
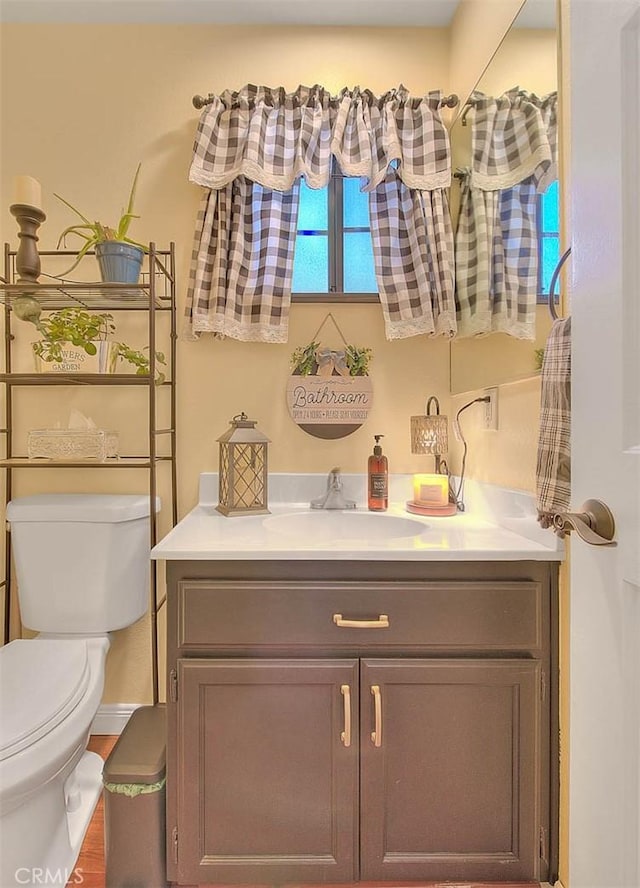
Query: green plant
x,y
304,362
94,233
304,358
75,325
358,360
139,360
83,329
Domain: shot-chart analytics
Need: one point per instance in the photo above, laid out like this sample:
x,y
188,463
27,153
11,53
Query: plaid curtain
x,y
514,156
242,262
496,260
413,251
250,150
553,465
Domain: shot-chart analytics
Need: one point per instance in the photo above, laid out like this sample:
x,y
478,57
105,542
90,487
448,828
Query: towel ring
x,y
552,285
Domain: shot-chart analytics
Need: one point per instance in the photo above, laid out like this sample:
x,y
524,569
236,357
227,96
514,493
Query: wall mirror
x,y
528,58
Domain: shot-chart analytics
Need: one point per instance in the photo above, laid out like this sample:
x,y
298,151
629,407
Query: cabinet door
x,y
448,777
267,780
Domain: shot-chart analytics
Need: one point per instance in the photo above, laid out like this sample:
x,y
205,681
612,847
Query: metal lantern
x,y
243,469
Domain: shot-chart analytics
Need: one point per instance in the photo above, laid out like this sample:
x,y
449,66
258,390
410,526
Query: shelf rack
x,y
155,293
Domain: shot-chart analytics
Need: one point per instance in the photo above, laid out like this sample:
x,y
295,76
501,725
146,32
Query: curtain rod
x,y
200,102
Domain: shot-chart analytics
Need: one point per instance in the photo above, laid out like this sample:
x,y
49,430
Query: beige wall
x,y
477,30
95,100
507,456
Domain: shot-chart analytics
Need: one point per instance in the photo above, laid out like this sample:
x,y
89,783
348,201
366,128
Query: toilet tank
x,y
82,560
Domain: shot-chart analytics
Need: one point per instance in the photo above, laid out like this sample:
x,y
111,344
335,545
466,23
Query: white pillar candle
x,y
431,490
27,190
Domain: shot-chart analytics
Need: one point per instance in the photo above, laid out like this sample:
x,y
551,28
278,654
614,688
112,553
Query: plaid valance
x,y
513,137
272,137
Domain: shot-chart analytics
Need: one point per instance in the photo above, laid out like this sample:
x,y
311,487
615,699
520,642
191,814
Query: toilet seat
x,y
41,682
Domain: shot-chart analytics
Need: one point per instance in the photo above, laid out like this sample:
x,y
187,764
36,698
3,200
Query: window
x,y
333,254
334,257
548,239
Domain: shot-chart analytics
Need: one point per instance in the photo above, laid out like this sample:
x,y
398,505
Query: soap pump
x,y
378,479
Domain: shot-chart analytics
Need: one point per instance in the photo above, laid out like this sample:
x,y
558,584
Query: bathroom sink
x,y
330,525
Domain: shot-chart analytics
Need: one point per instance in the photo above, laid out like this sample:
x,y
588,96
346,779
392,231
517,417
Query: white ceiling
x,y
435,13
427,13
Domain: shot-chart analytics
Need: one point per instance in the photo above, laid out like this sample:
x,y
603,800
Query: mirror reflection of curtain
x,y
514,158
252,147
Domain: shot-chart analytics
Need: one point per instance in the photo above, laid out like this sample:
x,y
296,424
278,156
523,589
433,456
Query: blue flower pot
x,y
119,263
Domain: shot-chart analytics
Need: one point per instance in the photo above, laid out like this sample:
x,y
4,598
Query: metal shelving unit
x,y
155,294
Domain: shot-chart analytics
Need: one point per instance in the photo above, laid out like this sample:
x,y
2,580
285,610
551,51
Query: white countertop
x,y
498,525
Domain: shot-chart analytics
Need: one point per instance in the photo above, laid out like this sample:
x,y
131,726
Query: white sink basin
x,y
328,525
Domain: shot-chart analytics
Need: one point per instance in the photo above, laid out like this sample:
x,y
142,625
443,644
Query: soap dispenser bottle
x,y
378,479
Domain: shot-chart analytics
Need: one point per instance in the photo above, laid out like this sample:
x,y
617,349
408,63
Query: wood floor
x,y
89,870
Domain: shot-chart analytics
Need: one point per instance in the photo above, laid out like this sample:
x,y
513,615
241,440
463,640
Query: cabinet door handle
x,y
345,736
381,623
376,735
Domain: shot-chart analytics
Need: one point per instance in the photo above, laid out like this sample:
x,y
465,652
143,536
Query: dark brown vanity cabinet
x,y
265,790
386,722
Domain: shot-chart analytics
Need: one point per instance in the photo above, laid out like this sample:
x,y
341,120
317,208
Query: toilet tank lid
x,y
102,508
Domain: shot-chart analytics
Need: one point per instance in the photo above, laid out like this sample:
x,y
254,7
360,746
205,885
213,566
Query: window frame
x,y
542,298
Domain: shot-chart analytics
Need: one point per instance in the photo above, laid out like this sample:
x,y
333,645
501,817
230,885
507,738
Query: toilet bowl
x,y
82,565
49,783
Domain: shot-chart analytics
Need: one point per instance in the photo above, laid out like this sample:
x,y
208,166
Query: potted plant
x,y
75,340
119,257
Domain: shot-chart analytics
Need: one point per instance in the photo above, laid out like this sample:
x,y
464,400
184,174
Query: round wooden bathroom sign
x,y
329,406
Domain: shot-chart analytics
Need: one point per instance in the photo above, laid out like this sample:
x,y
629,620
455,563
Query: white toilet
x,y
82,566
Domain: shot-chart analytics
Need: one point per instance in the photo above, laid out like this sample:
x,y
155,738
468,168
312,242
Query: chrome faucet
x,y
334,497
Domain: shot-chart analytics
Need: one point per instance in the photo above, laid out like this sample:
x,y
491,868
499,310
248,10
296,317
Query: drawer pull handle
x,y
381,623
345,735
376,735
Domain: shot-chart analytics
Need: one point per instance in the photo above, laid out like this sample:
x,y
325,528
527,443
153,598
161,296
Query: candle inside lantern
x,y
27,191
431,490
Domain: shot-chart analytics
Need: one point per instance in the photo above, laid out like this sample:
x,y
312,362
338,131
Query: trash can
x,y
134,777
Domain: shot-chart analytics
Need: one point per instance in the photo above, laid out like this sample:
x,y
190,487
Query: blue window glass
x,y
549,260
311,264
355,205
359,274
313,213
548,238
551,209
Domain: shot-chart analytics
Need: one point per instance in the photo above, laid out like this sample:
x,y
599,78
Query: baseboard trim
x,y
112,717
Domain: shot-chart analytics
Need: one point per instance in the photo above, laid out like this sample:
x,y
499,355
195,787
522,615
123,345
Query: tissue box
x,y
97,444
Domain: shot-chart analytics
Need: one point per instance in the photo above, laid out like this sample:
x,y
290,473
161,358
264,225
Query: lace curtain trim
x,y
223,328
445,325
514,136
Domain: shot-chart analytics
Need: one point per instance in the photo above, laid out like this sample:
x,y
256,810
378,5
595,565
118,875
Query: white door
x,y
604,792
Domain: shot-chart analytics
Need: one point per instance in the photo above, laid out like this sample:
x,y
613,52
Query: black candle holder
x,y
27,257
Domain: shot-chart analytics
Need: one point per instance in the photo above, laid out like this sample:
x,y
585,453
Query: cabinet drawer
x,y
247,616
